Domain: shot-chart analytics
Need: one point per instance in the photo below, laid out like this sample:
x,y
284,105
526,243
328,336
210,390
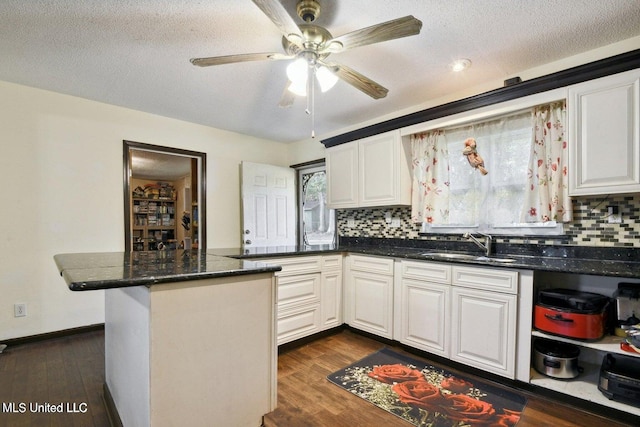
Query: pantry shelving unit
x,y
153,222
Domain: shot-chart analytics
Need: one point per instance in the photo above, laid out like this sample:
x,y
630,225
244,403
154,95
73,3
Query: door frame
x,y
201,180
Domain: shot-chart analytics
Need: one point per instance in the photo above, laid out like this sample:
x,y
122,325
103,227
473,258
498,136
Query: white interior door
x,y
268,205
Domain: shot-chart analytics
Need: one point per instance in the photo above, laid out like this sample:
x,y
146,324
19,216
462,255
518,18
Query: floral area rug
x,y
428,396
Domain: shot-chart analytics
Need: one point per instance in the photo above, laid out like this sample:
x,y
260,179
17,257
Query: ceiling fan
x,y
310,45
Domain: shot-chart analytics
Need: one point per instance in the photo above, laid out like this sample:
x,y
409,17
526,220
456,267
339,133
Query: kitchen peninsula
x,y
189,336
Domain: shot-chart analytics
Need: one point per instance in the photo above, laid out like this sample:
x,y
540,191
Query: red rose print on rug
x,y
426,395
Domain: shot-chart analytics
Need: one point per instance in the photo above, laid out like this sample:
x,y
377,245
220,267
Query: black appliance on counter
x,y
627,298
620,378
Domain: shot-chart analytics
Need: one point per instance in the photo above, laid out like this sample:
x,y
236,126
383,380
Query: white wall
x,y
61,170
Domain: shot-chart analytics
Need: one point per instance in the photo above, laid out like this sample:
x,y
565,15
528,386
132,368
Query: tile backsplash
x,y
590,226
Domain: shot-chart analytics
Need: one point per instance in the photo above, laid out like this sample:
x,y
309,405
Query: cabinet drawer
x,y
331,262
296,265
431,271
372,264
298,289
486,278
298,322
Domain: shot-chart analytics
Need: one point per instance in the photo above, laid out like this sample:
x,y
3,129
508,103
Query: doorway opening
x,y
164,202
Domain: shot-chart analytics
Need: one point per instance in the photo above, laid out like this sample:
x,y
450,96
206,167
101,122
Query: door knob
x,y
248,242
247,231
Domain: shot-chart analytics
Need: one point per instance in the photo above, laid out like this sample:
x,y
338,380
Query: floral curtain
x,y
547,197
430,189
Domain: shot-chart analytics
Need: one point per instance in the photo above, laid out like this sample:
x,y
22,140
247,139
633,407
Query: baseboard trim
x,y
110,406
55,334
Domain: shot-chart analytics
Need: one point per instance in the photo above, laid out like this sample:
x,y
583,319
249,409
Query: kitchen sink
x,y
468,257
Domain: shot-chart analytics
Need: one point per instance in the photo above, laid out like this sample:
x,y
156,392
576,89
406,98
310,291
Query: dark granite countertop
x,y
600,261
93,271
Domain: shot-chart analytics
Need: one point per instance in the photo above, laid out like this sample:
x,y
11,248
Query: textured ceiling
x,y
135,53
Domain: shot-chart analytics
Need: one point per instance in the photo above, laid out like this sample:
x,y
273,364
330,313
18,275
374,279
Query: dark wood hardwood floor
x,y
67,371
70,370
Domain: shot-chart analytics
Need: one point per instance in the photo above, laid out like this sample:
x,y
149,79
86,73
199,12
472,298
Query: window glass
x,y
317,221
493,202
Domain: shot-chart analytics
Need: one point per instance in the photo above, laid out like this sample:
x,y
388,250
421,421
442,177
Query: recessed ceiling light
x,y
460,65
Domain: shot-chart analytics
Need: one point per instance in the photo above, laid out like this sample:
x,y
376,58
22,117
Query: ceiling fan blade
x,y
394,29
279,16
287,98
230,59
357,80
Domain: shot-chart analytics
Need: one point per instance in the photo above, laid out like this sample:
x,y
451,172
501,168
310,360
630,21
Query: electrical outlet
x,y
351,223
613,215
395,222
19,310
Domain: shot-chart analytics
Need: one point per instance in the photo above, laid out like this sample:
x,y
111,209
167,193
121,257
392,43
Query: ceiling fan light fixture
x,y
298,71
298,88
326,78
460,65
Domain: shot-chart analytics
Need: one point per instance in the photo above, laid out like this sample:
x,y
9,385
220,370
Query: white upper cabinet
x,y
373,171
342,176
604,135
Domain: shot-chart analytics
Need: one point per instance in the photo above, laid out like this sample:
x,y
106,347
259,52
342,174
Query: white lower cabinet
x,y
484,315
484,330
309,295
422,317
369,294
297,322
331,291
468,314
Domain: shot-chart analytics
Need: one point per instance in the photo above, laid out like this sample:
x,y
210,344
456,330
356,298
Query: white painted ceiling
x,y
159,166
135,54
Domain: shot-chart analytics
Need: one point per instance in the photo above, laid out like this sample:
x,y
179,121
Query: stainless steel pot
x,y
556,359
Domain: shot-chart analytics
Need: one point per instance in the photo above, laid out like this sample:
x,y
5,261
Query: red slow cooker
x,y
570,313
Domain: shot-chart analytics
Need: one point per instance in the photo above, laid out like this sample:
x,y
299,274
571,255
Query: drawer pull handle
x,y
558,317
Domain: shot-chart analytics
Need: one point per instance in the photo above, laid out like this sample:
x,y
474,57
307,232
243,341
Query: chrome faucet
x,y
486,246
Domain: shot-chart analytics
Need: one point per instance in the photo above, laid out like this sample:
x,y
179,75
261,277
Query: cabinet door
x,y
604,135
371,302
383,171
483,328
342,176
424,315
331,299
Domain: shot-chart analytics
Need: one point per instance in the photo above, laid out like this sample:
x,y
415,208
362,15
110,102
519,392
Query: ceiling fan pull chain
x,y
311,98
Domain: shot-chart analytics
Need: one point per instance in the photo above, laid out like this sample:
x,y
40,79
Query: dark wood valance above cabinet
x,y
593,70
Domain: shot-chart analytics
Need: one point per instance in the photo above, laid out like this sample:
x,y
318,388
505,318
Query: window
x,y
316,220
491,203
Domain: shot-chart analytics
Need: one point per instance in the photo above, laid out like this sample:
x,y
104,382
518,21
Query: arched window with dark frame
x,y
316,224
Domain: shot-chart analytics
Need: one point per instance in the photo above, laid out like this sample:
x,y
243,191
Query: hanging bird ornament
x,y
475,160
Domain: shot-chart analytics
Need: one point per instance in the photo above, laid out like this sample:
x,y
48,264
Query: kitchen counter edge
x,y
561,264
